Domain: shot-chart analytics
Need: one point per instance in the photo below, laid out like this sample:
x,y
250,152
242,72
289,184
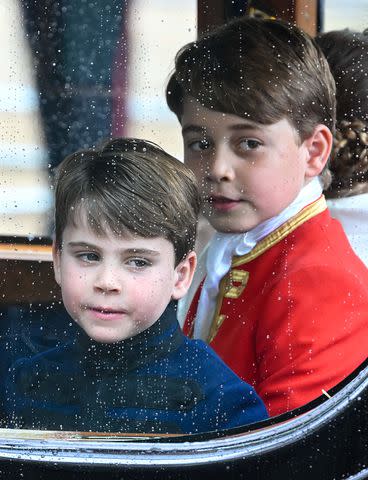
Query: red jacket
x,y
292,314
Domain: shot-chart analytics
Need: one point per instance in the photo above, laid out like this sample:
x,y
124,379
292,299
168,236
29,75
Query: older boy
x,y
278,294
125,218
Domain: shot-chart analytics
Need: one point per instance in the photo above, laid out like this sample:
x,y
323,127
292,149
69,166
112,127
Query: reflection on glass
x,y
76,74
25,196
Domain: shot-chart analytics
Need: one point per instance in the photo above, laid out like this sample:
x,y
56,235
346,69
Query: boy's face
x,y
248,172
116,287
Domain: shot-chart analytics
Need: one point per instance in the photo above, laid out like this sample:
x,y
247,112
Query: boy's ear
x,y
183,275
319,146
56,261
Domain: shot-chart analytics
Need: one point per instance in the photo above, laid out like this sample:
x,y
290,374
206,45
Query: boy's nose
x,y
219,167
106,281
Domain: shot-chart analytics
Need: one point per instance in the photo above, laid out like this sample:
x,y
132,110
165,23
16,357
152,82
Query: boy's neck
x,y
157,340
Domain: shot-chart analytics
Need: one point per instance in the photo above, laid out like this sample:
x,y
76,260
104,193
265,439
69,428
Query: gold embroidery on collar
x,y
283,231
226,285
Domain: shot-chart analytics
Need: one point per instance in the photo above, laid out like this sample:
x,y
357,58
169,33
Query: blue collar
x,y
163,337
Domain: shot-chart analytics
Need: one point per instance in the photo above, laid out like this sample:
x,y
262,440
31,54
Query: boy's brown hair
x,y
129,186
264,70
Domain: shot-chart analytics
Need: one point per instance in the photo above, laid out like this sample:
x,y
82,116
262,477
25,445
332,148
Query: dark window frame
x,y
252,450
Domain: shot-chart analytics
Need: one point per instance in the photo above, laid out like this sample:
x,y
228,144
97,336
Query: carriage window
x,y
73,75
338,14
25,196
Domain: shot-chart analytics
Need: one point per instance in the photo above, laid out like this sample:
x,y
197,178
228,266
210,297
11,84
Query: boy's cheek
x,y
56,264
72,307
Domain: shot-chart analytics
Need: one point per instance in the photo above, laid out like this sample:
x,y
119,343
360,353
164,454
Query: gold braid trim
x,y
283,231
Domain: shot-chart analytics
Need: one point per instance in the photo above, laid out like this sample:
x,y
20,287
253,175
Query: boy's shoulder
x,y
322,241
198,360
61,357
221,387
303,241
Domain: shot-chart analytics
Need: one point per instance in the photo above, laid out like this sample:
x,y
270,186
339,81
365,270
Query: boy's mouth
x,y
105,313
106,310
221,203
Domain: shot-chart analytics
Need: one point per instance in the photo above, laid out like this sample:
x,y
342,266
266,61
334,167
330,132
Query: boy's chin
x,y
228,227
234,223
229,223
101,336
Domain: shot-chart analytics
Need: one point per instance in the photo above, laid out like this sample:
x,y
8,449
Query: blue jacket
x,y
156,382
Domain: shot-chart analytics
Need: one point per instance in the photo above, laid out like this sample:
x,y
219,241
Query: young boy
x,y
278,293
125,226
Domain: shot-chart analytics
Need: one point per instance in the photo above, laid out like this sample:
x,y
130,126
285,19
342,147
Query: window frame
x,y
238,447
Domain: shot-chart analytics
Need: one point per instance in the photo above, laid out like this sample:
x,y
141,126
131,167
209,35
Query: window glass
x,y
57,86
340,14
25,196
82,74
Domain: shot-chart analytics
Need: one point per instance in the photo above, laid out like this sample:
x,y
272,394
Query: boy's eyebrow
x,y
81,244
141,251
248,124
243,126
192,128
129,251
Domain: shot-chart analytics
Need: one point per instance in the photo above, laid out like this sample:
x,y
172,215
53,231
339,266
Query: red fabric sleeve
x,y
312,332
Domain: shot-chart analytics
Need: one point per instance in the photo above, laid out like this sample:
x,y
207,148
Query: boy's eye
x,y
138,263
249,144
88,257
199,145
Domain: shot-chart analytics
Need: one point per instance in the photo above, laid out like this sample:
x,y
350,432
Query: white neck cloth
x,y
223,246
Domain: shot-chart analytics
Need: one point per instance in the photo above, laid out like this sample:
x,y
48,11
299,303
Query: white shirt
x,y
352,212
